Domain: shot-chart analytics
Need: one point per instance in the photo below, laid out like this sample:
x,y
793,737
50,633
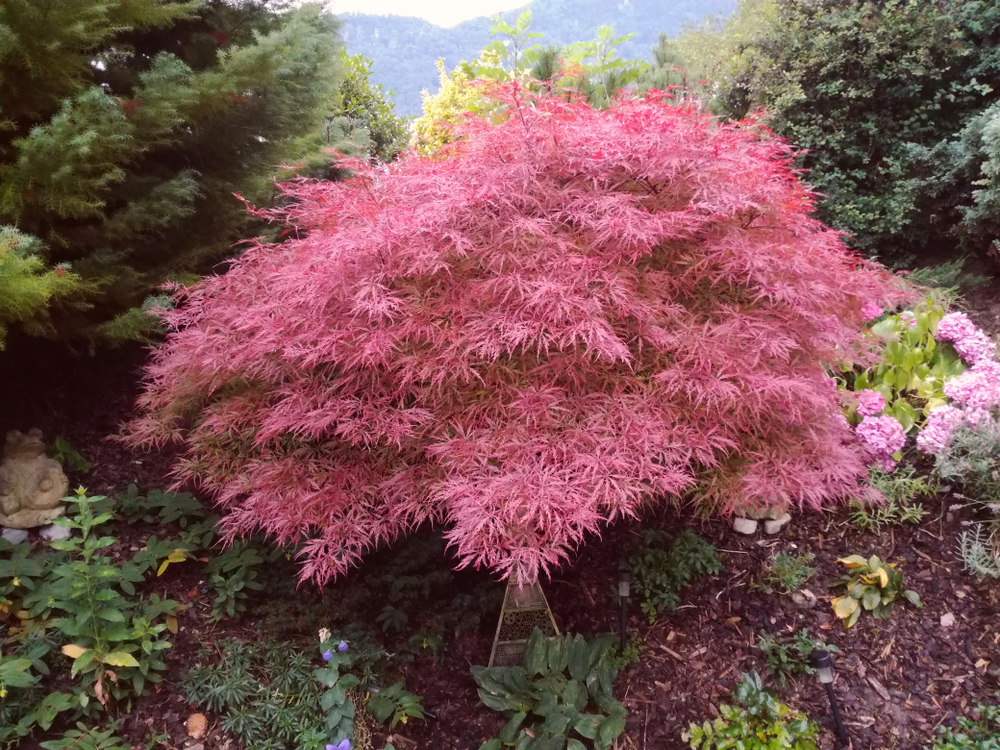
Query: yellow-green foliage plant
x,y
913,369
26,287
873,586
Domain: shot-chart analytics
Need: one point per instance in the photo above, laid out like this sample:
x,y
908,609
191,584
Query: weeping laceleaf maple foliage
x,y
574,313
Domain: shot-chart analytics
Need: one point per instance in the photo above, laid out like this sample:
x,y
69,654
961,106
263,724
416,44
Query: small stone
x,y
15,536
804,598
777,524
947,620
55,533
744,525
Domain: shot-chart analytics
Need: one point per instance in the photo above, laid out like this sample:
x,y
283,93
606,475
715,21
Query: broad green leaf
x,y
912,597
536,653
853,618
120,659
843,606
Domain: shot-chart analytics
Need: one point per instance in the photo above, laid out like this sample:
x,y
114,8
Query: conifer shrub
x,y
575,314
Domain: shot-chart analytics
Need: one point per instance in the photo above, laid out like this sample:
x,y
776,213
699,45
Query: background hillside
x,y
404,49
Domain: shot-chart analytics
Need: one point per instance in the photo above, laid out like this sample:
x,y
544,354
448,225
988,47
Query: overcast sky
x,y
441,12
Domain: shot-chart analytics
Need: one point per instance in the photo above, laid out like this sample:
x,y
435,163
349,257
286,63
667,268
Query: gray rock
x,y
744,525
53,533
947,620
777,524
804,598
15,536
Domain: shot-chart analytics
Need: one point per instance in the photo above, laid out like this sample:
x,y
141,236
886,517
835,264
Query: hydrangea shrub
x,y
974,394
575,314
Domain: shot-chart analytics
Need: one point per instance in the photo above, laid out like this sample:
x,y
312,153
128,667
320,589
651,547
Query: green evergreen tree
x,y
129,130
866,88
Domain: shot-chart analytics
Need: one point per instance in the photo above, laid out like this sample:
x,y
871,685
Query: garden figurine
x,y
32,486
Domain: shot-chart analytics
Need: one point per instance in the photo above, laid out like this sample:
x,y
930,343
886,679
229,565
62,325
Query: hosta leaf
x,y
843,606
912,597
853,618
854,561
536,653
509,733
871,599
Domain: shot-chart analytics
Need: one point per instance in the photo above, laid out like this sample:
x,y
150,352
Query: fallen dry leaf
x,y
197,725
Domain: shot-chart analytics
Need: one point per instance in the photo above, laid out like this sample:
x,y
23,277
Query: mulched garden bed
x,y
898,679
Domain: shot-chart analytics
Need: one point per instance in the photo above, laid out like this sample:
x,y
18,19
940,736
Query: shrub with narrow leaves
x,y
571,315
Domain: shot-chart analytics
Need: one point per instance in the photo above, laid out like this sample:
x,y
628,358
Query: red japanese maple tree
x,y
575,313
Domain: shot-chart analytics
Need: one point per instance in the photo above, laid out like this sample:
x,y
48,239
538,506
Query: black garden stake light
x,y
624,583
823,663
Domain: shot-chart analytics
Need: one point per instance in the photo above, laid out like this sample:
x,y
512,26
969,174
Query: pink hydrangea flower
x,y
942,421
882,436
870,403
955,326
975,348
976,388
870,311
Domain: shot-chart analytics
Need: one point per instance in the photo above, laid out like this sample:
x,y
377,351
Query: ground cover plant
x,y
787,573
517,347
759,722
662,571
789,656
896,505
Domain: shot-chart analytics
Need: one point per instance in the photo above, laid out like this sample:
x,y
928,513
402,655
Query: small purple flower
x,y
342,646
342,745
327,655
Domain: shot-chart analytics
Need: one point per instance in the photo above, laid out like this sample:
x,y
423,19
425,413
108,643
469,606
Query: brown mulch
x,y
898,679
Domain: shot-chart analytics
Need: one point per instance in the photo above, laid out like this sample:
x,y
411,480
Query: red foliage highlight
x,y
575,314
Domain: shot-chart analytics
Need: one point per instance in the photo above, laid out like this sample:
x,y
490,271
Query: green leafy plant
x,y
395,704
914,367
110,637
788,657
155,506
265,694
231,575
337,704
786,573
899,488
67,455
392,618
85,738
873,586
979,733
634,649
979,548
972,458
661,572
563,689
760,722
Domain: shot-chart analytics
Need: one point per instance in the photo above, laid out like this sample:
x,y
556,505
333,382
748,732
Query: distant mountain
x,y
405,49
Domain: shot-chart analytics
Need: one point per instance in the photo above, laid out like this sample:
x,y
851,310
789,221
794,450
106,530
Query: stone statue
x,y
32,485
